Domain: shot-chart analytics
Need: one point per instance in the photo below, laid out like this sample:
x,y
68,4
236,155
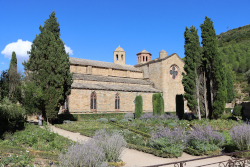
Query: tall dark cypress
x,y
214,69
192,63
49,67
12,76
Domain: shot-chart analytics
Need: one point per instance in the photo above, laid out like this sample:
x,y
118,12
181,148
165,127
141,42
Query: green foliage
x,y
230,85
38,139
13,80
192,63
102,120
49,68
138,106
11,116
179,106
21,160
4,85
237,35
237,111
158,104
215,68
247,76
32,96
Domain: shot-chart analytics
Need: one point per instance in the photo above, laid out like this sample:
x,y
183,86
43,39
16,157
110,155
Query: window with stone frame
x,y
93,102
117,102
121,57
174,71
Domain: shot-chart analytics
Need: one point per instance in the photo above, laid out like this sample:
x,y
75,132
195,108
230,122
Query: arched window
x,y
93,102
117,102
143,58
146,58
116,56
121,57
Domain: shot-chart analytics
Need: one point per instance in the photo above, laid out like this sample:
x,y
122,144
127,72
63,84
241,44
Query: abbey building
x,y
112,87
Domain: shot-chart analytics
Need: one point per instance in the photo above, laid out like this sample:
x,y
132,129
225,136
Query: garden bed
x,y
138,132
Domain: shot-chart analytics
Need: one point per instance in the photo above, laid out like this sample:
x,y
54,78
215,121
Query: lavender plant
x,y
129,115
205,139
240,135
83,155
170,141
112,144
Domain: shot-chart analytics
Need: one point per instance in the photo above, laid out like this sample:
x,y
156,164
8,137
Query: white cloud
x,y
20,47
68,50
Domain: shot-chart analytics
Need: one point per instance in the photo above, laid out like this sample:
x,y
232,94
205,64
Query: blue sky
x,y
94,29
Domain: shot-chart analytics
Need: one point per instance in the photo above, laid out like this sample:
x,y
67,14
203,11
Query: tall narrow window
x,y
143,59
93,102
116,56
146,58
117,102
122,57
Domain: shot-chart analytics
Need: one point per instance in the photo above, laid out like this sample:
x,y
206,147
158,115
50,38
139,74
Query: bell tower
x,y
119,56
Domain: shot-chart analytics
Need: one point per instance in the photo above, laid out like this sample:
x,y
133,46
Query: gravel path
x,y
134,158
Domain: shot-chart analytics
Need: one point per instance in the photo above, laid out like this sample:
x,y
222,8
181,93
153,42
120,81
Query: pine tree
x,y
214,69
49,68
13,80
192,64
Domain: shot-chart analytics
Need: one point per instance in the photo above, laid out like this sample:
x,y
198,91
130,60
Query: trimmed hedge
x,y
179,106
133,130
75,117
149,150
194,152
138,106
237,110
158,104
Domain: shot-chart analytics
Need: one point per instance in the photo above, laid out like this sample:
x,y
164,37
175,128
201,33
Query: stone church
x,y
112,87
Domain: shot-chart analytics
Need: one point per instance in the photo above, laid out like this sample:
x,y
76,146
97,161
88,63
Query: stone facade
x,y
107,80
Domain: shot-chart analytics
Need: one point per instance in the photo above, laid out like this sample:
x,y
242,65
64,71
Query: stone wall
x,y
110,83
79,101
105,71
171,87
158,72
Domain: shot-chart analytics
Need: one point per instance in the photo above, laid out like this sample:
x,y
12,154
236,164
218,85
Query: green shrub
x,y
228,110
158,104
238,95
179,106
112,120
237,110
11,117
138,106
102,120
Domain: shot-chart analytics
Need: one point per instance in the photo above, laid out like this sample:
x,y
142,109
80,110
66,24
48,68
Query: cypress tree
x,y
49,68
192,64
138,106
12,76
158,104
214,69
